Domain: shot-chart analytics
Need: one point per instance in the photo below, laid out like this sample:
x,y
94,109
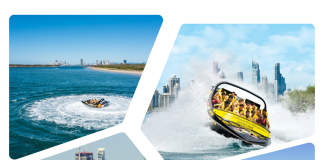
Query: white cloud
x,y
232,46
299,68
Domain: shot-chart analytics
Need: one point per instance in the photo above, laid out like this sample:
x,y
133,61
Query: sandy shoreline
x,y
117,71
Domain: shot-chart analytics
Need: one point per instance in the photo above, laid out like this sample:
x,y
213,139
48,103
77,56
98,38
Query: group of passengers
x,y
247,110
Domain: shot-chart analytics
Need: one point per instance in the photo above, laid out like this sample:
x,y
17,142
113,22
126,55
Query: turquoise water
x,y
45,107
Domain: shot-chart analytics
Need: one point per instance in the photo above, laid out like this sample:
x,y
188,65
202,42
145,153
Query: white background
x,y
174,13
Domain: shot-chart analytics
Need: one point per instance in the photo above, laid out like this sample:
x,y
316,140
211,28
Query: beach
x,y
118,71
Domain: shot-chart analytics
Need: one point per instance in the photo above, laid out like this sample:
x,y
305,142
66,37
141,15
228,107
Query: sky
x,y
117,147
301,152
198,45
41,39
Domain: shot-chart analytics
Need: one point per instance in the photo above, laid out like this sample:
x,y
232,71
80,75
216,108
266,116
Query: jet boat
x,y
100,104
232,125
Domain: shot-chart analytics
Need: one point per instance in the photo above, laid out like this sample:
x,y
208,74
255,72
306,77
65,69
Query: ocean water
x,y
46,109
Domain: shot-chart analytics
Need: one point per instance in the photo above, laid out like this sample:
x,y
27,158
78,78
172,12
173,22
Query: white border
x,y
174,13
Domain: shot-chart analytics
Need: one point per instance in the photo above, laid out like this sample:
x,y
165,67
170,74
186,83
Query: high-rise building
x,y
125,61
240,76
172,82
255,73
280,84
85,155
100,62
215,67
101,154
176,89
81,62
165,100
166,88
156,98
96,62
264,85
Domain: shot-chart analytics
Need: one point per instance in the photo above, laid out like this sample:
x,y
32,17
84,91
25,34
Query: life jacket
x,y
242,113
255,117
262,122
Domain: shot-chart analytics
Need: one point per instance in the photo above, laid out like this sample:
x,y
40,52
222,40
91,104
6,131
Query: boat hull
x,y
232,130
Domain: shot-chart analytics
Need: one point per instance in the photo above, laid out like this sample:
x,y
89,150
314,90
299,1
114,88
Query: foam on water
x,y
70,112
182,127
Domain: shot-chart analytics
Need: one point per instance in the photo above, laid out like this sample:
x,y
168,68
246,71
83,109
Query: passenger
x,y
234,110
241,110
254,116
254,107
267,121
265,114
264,111
227,105
230,98
247,115
219,101
237,103
215,102
234,96
248,104
248,108
258,113
222,98
262,121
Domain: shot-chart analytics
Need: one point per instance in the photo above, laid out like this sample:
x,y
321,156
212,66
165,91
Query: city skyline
x,y
42,39
197,46
114,146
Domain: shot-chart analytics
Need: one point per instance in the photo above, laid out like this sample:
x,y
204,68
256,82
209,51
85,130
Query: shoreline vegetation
x,y
121,68
31,65
300,100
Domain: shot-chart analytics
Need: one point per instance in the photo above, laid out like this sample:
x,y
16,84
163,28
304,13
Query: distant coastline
x,y
117,70
31,65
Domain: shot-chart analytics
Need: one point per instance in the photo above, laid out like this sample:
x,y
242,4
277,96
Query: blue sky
x,y
198,45
43,39
301,152
115,148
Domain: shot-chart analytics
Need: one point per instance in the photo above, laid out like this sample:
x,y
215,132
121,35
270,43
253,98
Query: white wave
x,y
182,127
69,111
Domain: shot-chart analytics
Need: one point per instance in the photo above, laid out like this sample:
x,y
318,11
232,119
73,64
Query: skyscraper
x,y
101,154
81,62
125,61
166,88
172,82
215,67
96,62
264,84
155,99
240,76
85,155
255,73
280,84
